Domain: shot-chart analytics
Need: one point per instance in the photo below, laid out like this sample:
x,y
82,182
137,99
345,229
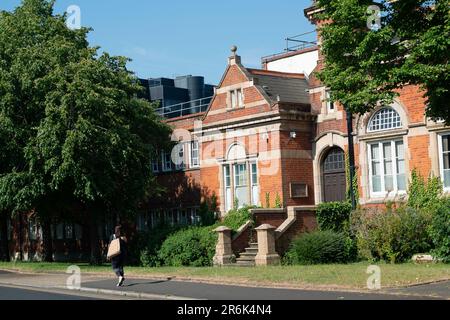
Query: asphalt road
x,y
8,293
225,292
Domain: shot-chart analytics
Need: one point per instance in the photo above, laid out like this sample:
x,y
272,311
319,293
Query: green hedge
x,y
193,247
334,216
320,247
392,235
440,231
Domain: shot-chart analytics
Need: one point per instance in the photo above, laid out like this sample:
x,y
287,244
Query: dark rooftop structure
x,y
178,97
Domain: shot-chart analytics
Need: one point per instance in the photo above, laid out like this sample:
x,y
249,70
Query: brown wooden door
x,y
334,181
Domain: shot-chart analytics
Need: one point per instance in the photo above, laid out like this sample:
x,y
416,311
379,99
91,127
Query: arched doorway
x,y
334,181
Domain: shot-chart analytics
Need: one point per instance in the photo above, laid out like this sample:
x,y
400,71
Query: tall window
x,y
195,154
444,159
387,167
237,100
181,165
155,164
227,183
241,184
330,104
166,159
385,119
255,184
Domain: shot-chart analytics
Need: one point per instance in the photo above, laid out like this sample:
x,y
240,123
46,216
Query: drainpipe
x,y
351,156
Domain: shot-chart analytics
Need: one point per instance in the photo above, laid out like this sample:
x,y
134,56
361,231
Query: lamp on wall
x,y
293,135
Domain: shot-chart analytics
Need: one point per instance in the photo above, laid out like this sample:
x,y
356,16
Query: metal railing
x,y
295,43
185,108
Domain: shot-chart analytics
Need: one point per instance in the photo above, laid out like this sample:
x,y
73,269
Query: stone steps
x,y
247,258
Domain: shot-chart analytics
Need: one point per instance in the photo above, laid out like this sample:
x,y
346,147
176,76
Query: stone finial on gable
x,y
234,58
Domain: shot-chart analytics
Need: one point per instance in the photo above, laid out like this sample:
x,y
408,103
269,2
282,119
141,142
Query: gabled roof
x,y
281,86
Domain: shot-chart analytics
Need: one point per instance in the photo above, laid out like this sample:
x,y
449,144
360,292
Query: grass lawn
x,y
351,276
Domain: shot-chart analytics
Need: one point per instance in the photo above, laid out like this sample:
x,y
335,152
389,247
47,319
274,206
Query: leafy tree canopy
x,y
70,119
365,65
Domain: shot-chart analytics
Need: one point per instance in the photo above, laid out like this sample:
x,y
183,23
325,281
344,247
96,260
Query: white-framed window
x,y
155,164
331,107
255,184
166,159
241,184
387,171
444,159
385,119
69,231
195,154
181,165
237,99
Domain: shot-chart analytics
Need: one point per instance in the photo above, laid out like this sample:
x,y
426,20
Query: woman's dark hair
x,y
117,229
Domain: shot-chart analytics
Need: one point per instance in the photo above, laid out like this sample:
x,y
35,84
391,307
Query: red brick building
x,y
273,133
270,136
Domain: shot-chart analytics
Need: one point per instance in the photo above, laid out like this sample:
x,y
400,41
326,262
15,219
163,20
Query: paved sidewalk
x,y
175,290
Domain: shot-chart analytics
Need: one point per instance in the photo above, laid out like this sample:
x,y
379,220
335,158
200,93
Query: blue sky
x,y
176,37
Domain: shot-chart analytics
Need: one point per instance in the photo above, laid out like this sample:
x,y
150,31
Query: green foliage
x,y
424,195
207,211
334,216
364,67
393,235
267,200
278,203
236,218
194,247
320,247
144,246
348,179
440,231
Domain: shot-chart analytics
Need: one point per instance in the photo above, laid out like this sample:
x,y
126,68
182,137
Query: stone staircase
x,y
247,258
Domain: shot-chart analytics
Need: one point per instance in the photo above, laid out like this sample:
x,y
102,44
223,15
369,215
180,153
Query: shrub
x,y
424,195
145,245
194,247
392,235
278,203
334,216
207,211
319,247
440,231
236,218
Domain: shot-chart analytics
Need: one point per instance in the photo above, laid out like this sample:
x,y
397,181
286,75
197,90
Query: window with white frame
x,y
195,154
181,161
240,184
385,119
155,164
166,159
237,99
330,104
444,159
387,167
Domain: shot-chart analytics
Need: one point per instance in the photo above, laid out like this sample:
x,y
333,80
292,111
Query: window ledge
x,y
383,134
383,198
235,109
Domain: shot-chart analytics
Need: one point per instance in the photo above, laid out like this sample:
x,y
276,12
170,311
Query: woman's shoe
x,y
119,284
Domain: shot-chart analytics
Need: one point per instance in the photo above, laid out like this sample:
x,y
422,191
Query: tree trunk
x,y
95,258
47,254
4,247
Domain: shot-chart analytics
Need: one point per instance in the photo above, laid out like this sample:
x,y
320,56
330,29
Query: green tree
x,y
365,66
85,137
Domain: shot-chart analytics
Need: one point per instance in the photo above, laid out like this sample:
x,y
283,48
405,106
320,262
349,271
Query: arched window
x,y
385,119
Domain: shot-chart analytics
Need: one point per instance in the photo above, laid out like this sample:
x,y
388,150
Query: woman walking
x,y
118,261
